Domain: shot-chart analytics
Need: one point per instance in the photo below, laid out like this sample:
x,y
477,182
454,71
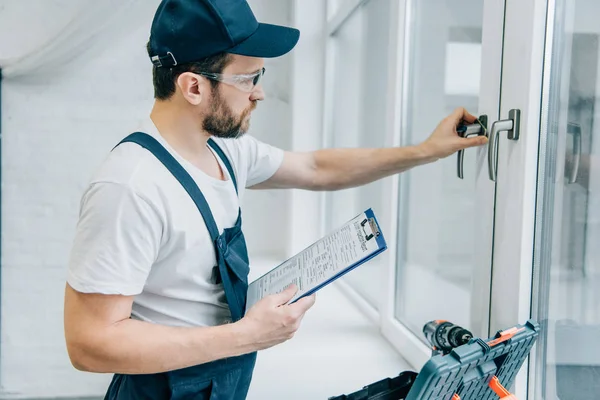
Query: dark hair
x,y
164,78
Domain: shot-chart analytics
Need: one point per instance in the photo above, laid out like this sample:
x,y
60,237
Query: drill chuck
x,y
445,336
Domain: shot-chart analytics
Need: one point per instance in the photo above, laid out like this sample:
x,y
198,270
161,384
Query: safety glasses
x,y
244,82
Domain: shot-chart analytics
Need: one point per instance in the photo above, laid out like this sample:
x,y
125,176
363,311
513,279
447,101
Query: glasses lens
x,y
258,76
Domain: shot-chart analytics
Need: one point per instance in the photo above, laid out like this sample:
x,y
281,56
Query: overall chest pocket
x,y
233,269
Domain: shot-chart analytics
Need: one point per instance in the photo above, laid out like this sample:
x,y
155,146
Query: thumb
x,y
286,295
305,303
475,141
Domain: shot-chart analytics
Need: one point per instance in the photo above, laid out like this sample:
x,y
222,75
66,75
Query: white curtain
x,y
94,27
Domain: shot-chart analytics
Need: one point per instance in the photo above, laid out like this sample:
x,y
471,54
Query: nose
x,y
258,93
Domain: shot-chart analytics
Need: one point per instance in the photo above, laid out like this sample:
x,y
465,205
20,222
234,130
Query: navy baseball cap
x,y
189,30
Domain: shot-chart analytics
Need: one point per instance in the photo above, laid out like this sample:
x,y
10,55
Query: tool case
x,y
478,370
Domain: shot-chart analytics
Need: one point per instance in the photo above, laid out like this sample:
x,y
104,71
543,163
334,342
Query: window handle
x,y
575,130
510,125
479,128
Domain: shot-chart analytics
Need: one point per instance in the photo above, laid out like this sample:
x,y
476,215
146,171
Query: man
x,y
158,271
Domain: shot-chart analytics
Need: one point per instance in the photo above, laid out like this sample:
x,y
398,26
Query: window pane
x,y
332,7
359,121
567,249
436,222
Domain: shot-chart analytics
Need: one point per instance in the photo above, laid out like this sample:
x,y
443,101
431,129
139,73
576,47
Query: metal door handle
x,y
511,125
575,130
479,128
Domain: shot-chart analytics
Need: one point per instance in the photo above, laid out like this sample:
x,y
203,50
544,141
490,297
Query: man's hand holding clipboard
x,y
273,320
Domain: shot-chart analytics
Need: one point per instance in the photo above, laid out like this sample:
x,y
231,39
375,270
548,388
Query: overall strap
x,y
152,145
225,160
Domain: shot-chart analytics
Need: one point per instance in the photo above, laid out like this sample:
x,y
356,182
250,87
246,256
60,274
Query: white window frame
x,y
515,75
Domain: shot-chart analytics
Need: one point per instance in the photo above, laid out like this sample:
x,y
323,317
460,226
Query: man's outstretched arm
x,y
334,169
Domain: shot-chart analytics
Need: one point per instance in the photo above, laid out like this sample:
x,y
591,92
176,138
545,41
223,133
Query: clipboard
x,y
351,245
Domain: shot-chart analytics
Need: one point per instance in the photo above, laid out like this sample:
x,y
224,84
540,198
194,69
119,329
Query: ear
x,y
192,87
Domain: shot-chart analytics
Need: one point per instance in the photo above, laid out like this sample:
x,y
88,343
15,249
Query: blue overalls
x,y
226,379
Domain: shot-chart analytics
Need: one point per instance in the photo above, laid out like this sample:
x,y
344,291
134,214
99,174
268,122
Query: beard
x,y
222,123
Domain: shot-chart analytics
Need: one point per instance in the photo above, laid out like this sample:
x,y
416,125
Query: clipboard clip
x,y
374,228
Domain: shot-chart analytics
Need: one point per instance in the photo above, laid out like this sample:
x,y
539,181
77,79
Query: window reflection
x,y
569,255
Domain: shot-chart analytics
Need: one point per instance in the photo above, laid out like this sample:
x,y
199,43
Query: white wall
x,y
55,132
307,102
266,213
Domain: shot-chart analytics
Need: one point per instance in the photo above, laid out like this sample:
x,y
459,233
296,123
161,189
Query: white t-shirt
x,y
139,232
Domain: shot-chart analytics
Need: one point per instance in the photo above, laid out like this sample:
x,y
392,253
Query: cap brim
x,y
268,41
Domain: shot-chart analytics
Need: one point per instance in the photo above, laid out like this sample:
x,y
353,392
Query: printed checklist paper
x,y
354,243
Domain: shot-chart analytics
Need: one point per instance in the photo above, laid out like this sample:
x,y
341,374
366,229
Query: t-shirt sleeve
x,y
263,160
116,241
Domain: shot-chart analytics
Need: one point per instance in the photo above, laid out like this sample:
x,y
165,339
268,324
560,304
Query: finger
x,y
460,114
284,296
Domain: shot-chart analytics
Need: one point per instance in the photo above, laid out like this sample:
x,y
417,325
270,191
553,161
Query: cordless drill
x,y
445,336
